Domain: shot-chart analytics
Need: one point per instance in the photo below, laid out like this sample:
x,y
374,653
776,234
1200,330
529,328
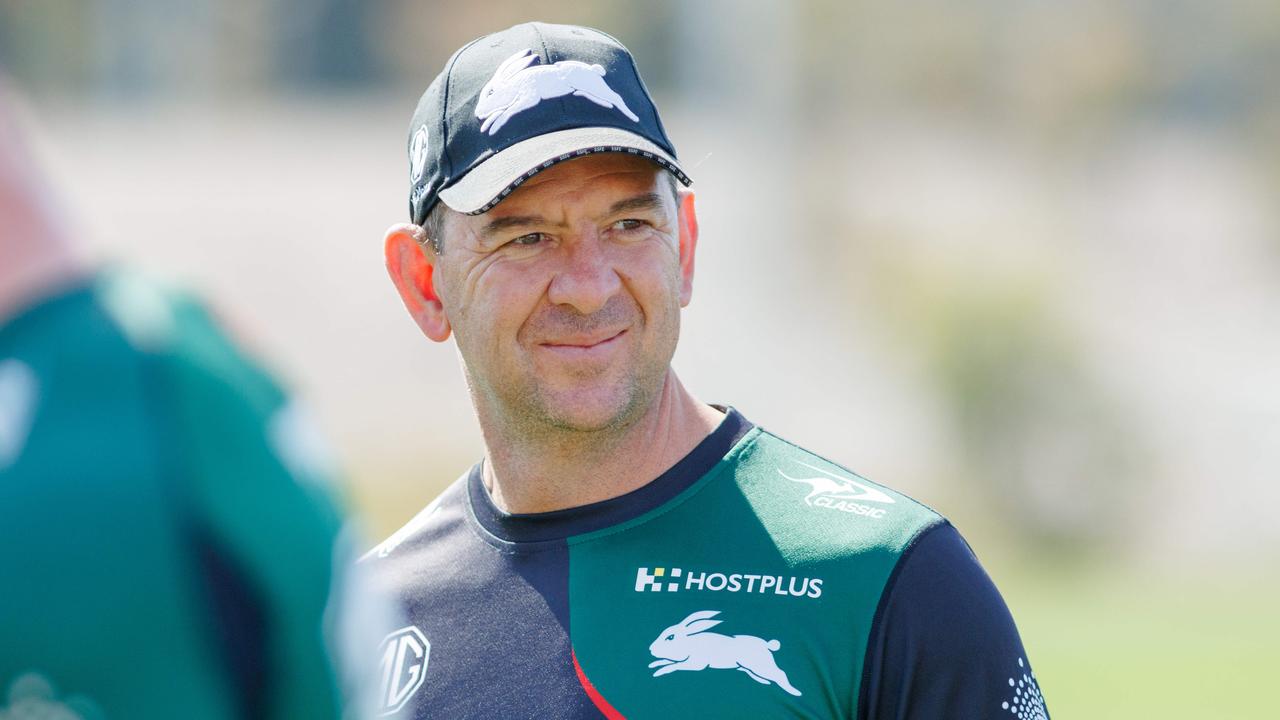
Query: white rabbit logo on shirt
x,y
688,646
521,82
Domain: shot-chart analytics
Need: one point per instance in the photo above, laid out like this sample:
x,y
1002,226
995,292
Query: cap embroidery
x,y
418,154
521,82
684,179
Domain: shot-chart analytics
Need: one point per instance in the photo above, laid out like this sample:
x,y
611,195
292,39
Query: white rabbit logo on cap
x,y
688,646
517,86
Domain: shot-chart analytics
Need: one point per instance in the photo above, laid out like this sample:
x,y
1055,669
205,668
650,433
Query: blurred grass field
x,y
1111,644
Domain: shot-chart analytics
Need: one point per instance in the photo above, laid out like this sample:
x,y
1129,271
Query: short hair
x,y
433,226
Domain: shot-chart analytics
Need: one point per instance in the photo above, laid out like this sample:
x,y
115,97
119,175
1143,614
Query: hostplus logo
x,y
661,579
653,580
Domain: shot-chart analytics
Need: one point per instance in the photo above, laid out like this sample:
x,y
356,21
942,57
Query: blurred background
x,y
1019,260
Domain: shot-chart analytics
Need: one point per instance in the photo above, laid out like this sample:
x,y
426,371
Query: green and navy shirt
x,y
167,533
753,579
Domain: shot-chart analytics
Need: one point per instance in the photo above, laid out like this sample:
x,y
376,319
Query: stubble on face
x,y
533,394
590,399
585,401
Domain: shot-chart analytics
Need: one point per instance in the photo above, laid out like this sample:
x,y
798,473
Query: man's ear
x,y
411,267
687,218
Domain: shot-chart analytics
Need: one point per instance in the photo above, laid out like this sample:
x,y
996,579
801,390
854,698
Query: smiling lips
x,y
584,346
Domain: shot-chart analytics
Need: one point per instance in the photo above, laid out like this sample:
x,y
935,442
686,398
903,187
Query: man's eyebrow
x,y
647,201
498,225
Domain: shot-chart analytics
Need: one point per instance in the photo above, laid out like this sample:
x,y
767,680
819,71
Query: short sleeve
x,y
943,643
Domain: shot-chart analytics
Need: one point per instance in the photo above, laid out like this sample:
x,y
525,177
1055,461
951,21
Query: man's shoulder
x,y
441,518
797,493
118,322
183,336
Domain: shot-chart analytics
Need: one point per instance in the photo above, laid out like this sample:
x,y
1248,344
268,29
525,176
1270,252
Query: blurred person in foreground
x,y
170,545
623,549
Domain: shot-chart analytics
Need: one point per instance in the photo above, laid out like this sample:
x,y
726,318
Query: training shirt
x,y
167,530
753,579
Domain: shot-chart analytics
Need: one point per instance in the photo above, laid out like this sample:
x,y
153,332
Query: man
x,y
624,549
169,542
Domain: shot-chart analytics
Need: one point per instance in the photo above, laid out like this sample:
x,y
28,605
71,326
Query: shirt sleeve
x,y
943,643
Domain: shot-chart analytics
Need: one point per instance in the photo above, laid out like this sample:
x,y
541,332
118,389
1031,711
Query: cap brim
x,y
492,180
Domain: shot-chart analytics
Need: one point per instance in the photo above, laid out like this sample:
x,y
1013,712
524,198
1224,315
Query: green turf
x,y
1111,645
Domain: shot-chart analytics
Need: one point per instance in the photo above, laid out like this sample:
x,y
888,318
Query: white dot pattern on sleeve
x,y
1027,703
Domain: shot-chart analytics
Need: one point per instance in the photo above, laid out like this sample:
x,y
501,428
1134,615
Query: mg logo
x,y
404,656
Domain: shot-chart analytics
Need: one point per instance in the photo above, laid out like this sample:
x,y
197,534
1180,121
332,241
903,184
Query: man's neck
x,y
531,476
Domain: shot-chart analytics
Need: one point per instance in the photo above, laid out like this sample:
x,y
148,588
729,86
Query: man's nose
x,y
586,278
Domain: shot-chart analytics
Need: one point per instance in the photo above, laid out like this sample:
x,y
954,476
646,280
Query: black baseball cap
x,y
514,103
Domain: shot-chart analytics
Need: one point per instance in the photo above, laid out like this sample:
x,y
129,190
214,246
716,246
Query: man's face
x,y
565,298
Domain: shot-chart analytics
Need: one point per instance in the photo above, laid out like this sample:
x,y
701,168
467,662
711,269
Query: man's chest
x,y
624,629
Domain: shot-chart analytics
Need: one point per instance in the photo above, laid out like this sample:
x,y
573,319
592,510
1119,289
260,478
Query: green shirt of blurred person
x,y
170,546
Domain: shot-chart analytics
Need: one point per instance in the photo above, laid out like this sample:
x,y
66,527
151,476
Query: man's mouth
x,y
584,343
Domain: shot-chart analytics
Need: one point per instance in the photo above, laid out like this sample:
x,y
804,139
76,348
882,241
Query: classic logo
x,y
18,388
836,492
418,154
688,646
516,86
1027,703
404,654
676,579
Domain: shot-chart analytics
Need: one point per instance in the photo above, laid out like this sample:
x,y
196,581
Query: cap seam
x,y
444,113
653,106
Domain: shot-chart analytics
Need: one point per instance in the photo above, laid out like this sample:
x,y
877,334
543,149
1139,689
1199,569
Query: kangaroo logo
x,y
521,82
688,646
837,488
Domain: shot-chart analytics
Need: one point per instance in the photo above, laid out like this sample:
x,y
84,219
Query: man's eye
x,y
629,224
528,240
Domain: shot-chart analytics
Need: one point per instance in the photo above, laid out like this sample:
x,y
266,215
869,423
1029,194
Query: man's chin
x,y
580,411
